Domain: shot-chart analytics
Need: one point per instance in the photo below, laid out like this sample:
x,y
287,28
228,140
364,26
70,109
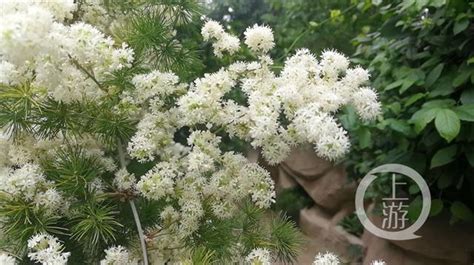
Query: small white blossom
x,y
118,256
259,256
259,38
46,249
326,259
7,260
378,262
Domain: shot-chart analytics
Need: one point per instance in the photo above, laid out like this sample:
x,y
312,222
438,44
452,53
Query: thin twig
x,y
134,208
90,75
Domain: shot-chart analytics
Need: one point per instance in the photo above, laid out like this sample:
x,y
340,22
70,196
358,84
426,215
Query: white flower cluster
x,y
285,110
118,256
281,112
204,177
259,39
7,260
329,258
47,250
223,41
28,183
66,62
259,256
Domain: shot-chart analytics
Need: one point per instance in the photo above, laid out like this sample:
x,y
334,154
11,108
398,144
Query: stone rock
x,y
381,249
284,181
316,224
331,190
346,209
459,239
304,163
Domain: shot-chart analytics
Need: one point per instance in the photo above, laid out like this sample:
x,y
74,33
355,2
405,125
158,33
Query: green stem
x,y
136,217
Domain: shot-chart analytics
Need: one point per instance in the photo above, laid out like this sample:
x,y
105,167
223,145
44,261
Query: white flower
x,y
212,30
46,249
222,41
118,256
333,63
259,38
366,104
124,181
159,181
51,200
326,259
259,256
378,262
7,260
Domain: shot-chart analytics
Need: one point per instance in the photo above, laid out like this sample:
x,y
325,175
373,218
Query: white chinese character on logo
x,y
394,212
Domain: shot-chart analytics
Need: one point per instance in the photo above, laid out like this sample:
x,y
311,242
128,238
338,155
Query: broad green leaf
x,y
414,189
422,117
462,77
364,136
442,87
401,126
460,25
465,112
436,207
470,61
407,83
434,75
437,3
444,156
461,211
414,98
467,96
414,209
447,124
444,181
439,103
394,85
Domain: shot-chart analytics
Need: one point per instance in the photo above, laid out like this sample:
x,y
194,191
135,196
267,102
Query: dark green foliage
x,y
352,224
94,226
421,62
72,171
291,201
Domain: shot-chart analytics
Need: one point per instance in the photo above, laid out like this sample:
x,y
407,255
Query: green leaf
x,y
439,103
414,209
437,3
408,82
467,96
444,156
460,25
447,123
444,181
394,85
422,117
465,112
414,98
414,189
436,207
364,136
461,211
462,77
442,87
401,126
434,75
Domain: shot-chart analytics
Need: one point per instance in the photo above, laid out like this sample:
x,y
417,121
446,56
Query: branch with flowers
x,y
72,98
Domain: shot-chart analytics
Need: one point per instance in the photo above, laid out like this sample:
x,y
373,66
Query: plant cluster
x,y
422,65
111,156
